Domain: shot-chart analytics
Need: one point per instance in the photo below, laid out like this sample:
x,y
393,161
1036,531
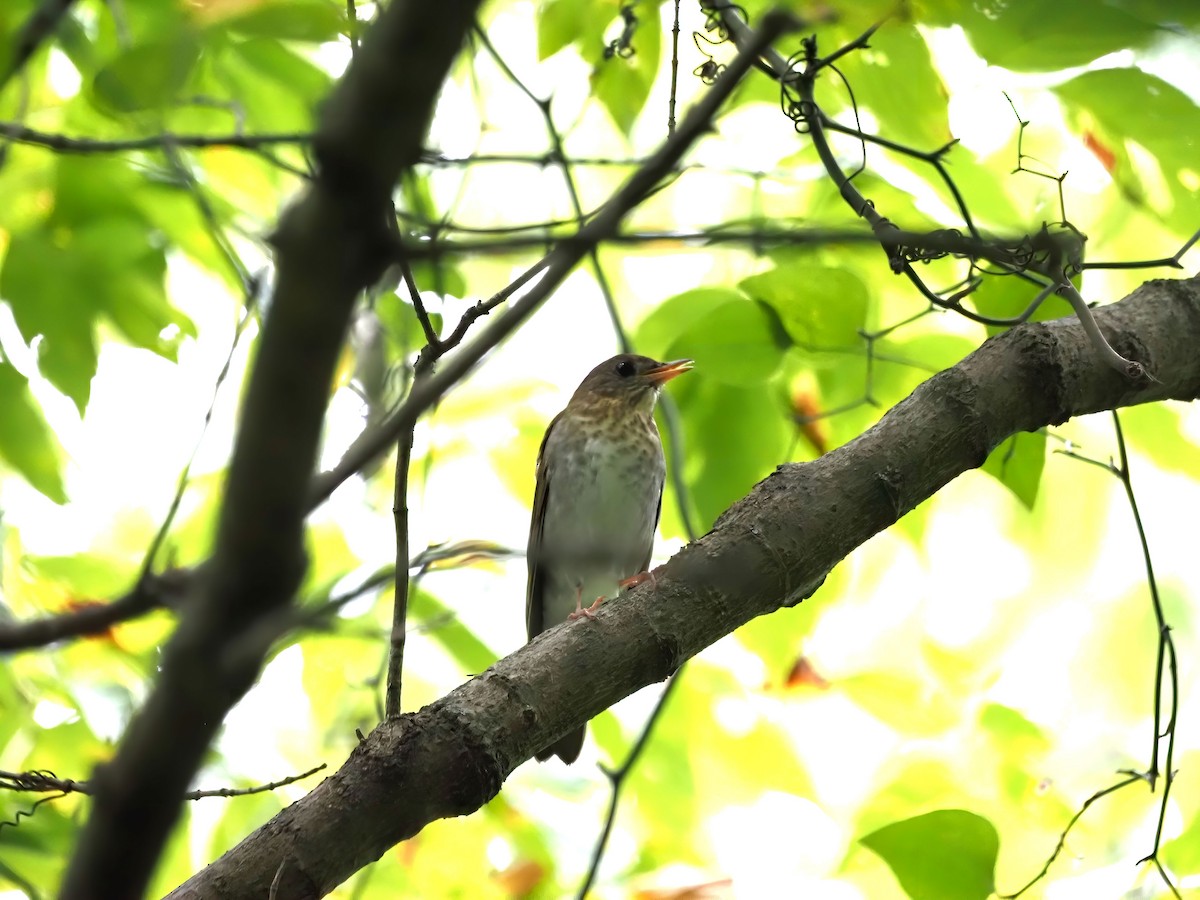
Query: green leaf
x,y
84,574
948,854
41,281
930,352
301,80
911,108
440,277
1156,429
820,307
658,332
131,269
826,204
241,817
59,281
736,343
316,21
33,851
1033,36
92,188
982,186
17,706
1007,298
734,437
1021,738
26,442
148,75
471,653
278,88
1182,854
778,639
170,209
622,83
1123,108
906,704
666,766
1018,463
563,22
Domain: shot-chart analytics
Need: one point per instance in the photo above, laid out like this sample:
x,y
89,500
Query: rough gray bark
x,y
770,549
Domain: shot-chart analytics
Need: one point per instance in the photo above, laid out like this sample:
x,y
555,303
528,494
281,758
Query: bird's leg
x,y
634,580
580,612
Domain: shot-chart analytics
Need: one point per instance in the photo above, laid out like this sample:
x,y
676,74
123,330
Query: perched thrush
x,y
599,491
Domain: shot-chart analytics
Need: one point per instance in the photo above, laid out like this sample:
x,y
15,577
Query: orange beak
x,y
663,373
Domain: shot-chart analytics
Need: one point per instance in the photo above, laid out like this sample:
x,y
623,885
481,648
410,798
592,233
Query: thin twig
x,y
41,781
395,664
250,287
61,143
559,156
674,71
1165,643
617,780
1062,838
258,789
1165,657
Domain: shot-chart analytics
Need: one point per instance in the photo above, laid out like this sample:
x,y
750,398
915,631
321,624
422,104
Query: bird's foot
x,y
585,613
634,580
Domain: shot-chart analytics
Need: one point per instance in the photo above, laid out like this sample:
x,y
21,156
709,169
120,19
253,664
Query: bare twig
x,y
42,781
1165,664
60,143
1062,838
395,666
616,780
674,71
558,156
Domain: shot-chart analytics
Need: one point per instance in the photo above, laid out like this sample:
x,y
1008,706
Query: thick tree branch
x,y
771,549
330,246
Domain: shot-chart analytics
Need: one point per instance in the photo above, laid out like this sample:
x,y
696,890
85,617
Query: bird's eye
x,y
625,368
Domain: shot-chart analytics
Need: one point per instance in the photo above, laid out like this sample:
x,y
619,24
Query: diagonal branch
x,y
771,549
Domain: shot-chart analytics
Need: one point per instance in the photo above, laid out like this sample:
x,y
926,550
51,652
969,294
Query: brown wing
x,y
653,531
534,607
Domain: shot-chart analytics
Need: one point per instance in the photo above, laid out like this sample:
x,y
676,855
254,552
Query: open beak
x,y
664,372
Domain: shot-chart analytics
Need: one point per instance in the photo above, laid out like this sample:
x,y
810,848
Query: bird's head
x,y
629,380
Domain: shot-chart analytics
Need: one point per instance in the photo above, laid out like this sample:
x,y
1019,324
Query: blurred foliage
x,y
993,653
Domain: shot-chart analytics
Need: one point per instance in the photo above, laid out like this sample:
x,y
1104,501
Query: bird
x,y
600,473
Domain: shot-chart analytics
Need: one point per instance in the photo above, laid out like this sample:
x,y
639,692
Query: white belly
x,y
600,521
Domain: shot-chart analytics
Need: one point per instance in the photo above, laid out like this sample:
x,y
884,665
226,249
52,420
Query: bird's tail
x,y
566,747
